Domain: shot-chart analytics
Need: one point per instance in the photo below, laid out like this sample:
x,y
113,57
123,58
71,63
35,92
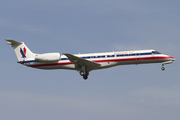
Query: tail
x,y
21,50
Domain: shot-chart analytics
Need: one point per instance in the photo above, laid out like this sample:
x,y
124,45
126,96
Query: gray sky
x,y
138,92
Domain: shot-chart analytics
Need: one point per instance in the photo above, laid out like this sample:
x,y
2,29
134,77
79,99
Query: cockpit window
x,y
155,52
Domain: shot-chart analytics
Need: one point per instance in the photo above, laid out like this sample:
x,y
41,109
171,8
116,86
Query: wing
x,y
78,62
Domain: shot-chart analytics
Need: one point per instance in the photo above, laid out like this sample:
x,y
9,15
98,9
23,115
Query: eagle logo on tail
x,y
23,52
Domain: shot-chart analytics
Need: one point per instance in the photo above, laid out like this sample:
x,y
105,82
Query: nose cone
x,y
173,59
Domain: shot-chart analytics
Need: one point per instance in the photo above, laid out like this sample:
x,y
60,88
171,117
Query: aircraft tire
x,y
81,73
163,68
85,77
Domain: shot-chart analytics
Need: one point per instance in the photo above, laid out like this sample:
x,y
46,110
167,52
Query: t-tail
x,y
22,51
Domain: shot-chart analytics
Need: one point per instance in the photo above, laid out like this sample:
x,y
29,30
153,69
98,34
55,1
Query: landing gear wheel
x,y
81,73
84,72
85,77
163,68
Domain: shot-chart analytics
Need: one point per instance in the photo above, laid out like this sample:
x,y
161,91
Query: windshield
x,y
155,52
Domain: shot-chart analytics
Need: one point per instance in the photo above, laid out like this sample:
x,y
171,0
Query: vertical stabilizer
x,y
22,51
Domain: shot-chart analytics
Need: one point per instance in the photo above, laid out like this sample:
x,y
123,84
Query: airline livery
x,y
84,63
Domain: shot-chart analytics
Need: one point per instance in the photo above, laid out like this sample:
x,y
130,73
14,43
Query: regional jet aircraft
x,y
84,63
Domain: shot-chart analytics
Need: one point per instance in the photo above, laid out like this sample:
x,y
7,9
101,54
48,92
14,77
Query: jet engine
x,y
48,57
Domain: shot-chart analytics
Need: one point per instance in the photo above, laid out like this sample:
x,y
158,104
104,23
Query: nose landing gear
x,y
167,62
163,68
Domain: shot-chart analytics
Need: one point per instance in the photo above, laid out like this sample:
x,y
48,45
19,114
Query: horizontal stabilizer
x,y
13,42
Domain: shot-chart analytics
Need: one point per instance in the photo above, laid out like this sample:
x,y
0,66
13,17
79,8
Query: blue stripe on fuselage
x,y
88,57
29,61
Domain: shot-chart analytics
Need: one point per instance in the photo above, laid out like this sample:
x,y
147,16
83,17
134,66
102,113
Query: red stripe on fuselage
x,y
134,59
101,61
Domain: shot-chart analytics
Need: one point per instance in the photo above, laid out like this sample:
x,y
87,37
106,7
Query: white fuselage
x,y
84,63
106,60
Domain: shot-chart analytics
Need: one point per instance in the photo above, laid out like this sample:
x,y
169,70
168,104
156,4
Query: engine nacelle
x,y
48,57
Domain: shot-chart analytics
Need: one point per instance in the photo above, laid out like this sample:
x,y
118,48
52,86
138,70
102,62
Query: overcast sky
x,y
134,92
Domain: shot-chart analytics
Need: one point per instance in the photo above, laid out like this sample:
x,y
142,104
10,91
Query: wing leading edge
x,y
79,62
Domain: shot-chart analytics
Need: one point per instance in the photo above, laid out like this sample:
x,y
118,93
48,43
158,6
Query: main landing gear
x,y
84,72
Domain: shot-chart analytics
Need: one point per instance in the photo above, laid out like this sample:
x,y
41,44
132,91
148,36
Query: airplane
x,y
84,63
